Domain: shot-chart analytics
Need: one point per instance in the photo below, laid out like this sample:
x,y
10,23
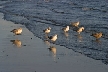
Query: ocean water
x,y
37,15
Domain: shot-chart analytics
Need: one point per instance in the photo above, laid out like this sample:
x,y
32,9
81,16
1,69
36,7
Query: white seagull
x,y
53,38
97,35
65,29
47,30
17,31
80,29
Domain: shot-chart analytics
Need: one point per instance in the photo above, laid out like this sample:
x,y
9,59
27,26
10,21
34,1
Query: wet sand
x,y
34,56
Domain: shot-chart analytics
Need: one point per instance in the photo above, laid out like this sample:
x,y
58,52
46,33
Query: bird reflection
x,y
16,42
47,42
52,49
46,36
79,37
97,40
66,34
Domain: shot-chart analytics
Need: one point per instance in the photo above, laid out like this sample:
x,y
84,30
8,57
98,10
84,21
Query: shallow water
x,y
37,15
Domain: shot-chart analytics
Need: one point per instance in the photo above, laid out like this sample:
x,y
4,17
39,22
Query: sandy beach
x,y
34,55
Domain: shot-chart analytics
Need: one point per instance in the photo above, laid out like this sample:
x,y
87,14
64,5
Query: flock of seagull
x,y
66,29
53,38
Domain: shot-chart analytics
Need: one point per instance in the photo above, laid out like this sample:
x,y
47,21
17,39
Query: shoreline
x,y
34,55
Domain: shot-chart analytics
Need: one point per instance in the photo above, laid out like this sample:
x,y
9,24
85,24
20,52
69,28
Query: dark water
x,y
37,15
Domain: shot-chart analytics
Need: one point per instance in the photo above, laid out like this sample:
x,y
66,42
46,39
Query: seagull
x,y
17,31
80,29
75,24
65,29
16,42
97,35
53,38
47,30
